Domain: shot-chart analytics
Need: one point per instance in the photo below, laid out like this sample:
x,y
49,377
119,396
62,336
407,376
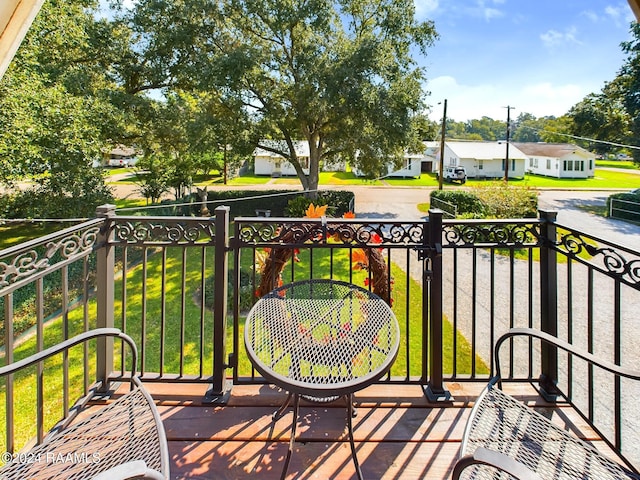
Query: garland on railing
x,y
371,259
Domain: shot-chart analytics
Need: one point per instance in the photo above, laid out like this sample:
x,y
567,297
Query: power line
x,y
622,145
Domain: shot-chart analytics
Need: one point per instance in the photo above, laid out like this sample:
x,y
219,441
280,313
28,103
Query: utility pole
x,y
444,129
506,160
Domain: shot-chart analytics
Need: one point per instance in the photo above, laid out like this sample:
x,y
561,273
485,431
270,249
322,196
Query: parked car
x,y
122,162
455,174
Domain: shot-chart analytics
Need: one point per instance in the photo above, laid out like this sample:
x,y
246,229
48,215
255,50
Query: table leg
x,y
296,410
278,413
350,415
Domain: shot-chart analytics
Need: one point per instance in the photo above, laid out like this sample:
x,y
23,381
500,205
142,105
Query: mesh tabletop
x,y
322,337
502,424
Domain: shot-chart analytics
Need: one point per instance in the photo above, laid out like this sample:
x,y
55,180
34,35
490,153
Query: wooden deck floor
x,y
398,434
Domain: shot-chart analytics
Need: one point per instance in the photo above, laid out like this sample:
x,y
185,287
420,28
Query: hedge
x,y
246,203
625,211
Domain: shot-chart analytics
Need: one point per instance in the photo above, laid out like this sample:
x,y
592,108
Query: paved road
x,y
571,205
399,203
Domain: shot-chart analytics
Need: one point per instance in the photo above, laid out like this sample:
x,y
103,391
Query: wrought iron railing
x,y
181,286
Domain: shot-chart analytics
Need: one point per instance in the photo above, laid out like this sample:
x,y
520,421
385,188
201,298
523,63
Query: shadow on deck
x,y
398,433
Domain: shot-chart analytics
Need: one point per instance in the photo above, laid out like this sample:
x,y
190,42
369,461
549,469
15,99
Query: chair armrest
x,y
563,345
65,345
497,460
130,470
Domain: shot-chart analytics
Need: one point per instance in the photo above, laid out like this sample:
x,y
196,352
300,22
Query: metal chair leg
x,y
350,415
296,410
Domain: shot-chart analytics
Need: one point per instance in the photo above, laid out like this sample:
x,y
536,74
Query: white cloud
x,y
553,38
490,13
466,102
613,12
619,14
425,7
591,15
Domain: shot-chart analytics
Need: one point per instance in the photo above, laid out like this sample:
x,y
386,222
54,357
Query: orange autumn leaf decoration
x,y
316,212
349,215
360,259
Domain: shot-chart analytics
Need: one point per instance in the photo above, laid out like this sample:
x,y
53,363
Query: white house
x,y
275,165
120,156
411,167
484,159
267,162
560,160
431,158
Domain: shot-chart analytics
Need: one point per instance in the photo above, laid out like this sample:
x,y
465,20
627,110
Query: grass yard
x,y
15,233
249,180
172,342
626,164
330,178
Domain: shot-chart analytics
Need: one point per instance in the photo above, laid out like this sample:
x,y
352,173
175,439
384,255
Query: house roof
x,y
123,151
553,150
301,147
485,150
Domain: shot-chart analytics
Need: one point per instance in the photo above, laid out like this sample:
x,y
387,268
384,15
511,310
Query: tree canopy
x,y
55,112
339,74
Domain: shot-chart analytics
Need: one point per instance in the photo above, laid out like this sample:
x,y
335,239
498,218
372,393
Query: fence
x,y
181,286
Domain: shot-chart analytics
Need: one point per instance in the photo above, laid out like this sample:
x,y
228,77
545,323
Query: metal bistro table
x,y
321,340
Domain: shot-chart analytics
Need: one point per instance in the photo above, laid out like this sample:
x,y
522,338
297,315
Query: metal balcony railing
x,y
181,287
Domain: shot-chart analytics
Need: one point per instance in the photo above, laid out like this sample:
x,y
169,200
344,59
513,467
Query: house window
x,y
570,165
548,164
513,165
407,164
531,162
480,164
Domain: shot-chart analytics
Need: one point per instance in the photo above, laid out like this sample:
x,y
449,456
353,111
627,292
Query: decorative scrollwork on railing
x,y
158,232
605,258
493,234
23,264
348,233
281,241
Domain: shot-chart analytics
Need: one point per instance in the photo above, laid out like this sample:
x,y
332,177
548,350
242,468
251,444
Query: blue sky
x,y
539,56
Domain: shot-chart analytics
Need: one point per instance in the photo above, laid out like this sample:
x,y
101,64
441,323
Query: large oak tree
x,y
338,74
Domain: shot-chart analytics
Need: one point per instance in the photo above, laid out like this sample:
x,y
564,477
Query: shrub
x,y
625,211
245,202
493,200
246,293
297,206
469,205
507,201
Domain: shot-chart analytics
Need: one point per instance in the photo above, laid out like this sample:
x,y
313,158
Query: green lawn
x,y
626,164
331,178
15,233
172,343
249,180
604,179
